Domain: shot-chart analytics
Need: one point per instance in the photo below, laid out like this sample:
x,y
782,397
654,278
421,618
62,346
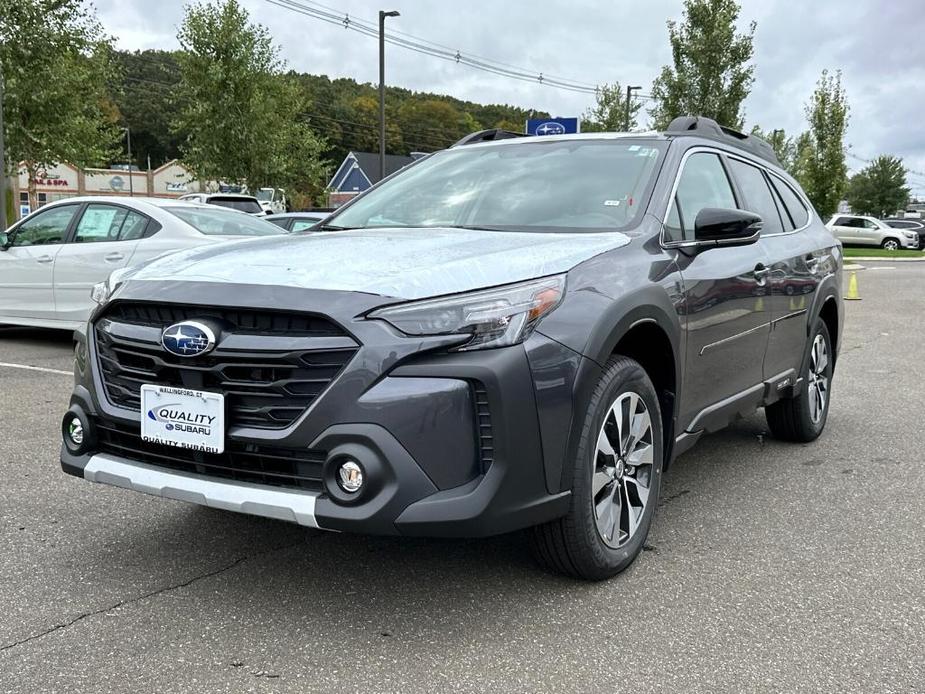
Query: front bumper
x,y
406,409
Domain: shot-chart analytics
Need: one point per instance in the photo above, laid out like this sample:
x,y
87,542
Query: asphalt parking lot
x,y
771,566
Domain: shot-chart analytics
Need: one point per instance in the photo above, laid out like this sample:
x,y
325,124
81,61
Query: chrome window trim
x,y
732,155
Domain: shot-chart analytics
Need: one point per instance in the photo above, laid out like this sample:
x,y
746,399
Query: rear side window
x,y
758,197
109,223
703,184
133,228
100,223
793,206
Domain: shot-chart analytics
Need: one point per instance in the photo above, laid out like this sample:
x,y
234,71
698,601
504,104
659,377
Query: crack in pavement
x,y
140,598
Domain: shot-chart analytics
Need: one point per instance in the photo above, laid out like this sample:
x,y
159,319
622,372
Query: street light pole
x,y
3,223
629,98
382,15
131,187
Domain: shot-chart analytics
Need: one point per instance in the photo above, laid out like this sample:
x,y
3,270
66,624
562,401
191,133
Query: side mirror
x,y
5,240
716,226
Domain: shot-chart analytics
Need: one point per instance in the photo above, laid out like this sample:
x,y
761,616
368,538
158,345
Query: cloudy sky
x,y
878,46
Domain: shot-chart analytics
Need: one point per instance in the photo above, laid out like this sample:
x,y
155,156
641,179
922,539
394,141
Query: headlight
x,y
911,234
102,291
491,317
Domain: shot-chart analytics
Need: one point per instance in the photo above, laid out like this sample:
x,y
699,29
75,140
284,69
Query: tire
x,y
578,544
890,244
801,419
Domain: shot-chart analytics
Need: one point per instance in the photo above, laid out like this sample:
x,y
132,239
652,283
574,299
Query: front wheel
x,y
890,244
616,478
803,418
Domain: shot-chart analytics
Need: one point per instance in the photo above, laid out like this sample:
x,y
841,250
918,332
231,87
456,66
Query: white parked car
x,y
233,201
859,230
272,200
50,260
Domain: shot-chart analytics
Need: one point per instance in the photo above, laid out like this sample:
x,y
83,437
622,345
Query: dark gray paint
x,y
737,341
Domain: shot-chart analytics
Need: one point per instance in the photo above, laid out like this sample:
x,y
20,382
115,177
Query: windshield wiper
x,y
476,227
333,227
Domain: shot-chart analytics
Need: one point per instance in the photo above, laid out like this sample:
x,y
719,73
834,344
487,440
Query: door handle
x,y
761,272
44,259
112,257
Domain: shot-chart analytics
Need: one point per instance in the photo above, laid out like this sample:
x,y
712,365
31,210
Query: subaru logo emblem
x,y
550,128
188,339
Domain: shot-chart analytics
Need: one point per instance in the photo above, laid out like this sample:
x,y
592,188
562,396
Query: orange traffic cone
x,y
853,288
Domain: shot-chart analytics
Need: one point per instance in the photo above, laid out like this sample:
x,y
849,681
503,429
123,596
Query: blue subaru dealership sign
x,y
552,126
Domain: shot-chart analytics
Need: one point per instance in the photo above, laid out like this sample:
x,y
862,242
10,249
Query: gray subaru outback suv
x,y
517,332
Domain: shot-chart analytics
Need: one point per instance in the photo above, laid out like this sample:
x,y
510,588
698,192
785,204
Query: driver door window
x,y
703,183
45,228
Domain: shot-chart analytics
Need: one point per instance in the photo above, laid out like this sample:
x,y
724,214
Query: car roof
x,y
680,127
127,200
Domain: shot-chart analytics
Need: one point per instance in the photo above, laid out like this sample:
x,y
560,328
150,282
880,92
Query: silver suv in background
x,y
910,224
869,231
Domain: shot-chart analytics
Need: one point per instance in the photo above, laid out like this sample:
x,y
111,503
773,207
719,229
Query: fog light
x,y
75,432
350,477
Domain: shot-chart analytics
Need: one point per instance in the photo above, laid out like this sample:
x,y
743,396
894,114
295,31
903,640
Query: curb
x,y
868,259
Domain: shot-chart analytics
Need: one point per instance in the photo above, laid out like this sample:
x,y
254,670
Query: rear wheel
x,y
616,478
803,418
890,244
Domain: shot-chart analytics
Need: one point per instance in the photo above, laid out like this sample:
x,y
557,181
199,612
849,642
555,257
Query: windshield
x,y
567,185
265,194
240,204
219,222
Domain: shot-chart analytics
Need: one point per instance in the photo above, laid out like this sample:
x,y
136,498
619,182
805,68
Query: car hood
x,y
401,263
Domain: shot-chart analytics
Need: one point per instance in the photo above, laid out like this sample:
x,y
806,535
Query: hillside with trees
x,y
341,111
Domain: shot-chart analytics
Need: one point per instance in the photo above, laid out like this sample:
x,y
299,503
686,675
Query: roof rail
x,y
487,136
707,127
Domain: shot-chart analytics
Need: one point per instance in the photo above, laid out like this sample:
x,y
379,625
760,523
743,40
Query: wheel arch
x,y
650,333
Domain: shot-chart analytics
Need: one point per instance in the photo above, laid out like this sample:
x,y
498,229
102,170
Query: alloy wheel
x,y
623,470
891,245
818,382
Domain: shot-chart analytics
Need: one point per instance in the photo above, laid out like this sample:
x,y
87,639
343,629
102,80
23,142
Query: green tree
x,y
880,188
146,100
710,75
783,146
608,114
824,177
243,119
804,151
56,64
430,124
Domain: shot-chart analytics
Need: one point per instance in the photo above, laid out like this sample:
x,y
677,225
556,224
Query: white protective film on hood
x,y
403,263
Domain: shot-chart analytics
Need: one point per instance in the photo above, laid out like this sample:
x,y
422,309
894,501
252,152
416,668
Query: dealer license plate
x,y
184,418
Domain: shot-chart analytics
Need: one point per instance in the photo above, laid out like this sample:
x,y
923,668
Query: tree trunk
x,y
33,195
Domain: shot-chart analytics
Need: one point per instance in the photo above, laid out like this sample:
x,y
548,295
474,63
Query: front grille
x,y
266,383
486,442
238,321
242,462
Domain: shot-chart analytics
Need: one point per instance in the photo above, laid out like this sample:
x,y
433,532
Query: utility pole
x,y
3,220
131,187
382,15
629,99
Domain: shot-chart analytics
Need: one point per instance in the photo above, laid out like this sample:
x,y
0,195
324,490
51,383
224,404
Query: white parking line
x,y
37,368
